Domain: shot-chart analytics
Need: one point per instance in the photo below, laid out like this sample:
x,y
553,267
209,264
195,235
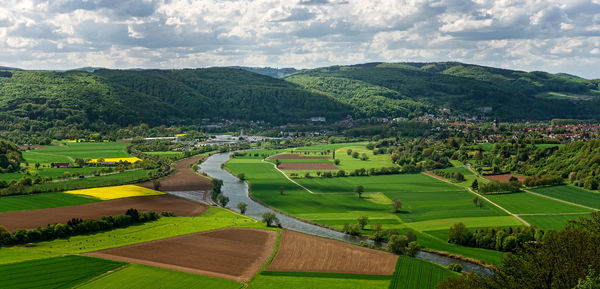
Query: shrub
x,y
455,267
397,244
351,229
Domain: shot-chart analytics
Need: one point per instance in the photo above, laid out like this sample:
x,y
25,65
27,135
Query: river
x,y
237,192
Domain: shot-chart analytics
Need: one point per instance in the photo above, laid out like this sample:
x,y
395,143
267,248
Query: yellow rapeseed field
x,y
116,192
131,160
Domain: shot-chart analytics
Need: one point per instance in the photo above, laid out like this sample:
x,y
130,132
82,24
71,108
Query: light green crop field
x,y
526,203
424,199
296,280
20,254
347,162
59,272
165,227
70,151
571,194
47,172
42,201
463,170
136,276
552,222
413,273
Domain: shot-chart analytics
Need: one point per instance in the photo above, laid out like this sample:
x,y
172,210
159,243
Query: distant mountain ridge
x,y
269,71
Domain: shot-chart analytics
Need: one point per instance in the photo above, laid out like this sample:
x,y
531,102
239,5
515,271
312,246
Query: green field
x,y
552,222
571,194
413,273
526,203
296,280
139,276
20,254
60,272
70,151
42,201
424,198
47,172
166,154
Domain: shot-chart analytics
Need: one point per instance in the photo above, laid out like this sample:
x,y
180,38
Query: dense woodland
x,y
37,106
10,157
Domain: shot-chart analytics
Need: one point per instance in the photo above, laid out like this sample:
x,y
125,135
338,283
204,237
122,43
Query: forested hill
x,y
463,88
56,103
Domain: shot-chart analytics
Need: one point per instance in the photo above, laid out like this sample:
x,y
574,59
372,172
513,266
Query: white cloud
x,y
558,35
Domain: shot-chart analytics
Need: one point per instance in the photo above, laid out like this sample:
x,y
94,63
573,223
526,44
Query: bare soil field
x,y
307,166
299,157
184,179
30,147
304,253
13,221
235,254
504,178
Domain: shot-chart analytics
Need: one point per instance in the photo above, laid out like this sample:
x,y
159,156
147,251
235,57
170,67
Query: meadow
x,y
571,194
140,276
526,203
412,273
276,280
59,272
552,222
68,152
42,201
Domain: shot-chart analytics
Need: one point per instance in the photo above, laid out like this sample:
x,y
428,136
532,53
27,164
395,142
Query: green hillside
x,y
464,88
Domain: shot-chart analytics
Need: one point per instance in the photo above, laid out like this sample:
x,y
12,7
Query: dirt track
x,y
13,221
235,254
183,179
304,253
504,178
307,166
298,157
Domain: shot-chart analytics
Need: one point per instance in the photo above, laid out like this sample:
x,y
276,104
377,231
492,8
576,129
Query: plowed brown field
x,y
13,221
235,254
304,253
504,178
298,157
307,166
183,179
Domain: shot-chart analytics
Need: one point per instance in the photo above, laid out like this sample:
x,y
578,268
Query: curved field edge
x,y
412,273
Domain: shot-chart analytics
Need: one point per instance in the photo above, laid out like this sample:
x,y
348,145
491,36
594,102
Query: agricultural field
x,y
418,274
526,203
552,222
115,192
68,152
571,194
59,272
42,201
136,276
332,202
276,280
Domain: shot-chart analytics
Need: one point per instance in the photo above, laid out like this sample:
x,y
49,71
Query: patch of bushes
x,y
543,180
499,188
499,239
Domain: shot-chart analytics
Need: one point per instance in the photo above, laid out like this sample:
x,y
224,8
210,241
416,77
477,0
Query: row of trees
x,y
495,187
78,226
500,239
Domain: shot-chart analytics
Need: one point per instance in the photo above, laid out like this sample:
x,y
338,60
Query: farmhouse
x,y
61,165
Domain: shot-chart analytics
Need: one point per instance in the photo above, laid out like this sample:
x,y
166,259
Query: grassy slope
x,y
525,203
60,272
42,201
412,273
337,209
139,276
571,194
65,153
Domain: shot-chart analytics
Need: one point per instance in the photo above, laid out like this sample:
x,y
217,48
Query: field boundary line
x,y
481,196
559,200
289,179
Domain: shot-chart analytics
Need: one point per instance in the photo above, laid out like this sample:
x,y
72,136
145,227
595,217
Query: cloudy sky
x,y
555,36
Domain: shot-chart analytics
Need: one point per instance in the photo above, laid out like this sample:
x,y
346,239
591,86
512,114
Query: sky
x,y
547,35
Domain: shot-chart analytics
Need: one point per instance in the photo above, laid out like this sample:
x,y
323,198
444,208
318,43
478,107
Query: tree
x,y
359,190
79,162
351,229
455,267
241,176
379,234
364,157
459,176
363,221
475,185
156,184
281,190
475,200
459,234
349,151
397,244
242,207
412,249
37,165
135,215
397,205
355,155
223,200
336,162
591,281
269,218
277,162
